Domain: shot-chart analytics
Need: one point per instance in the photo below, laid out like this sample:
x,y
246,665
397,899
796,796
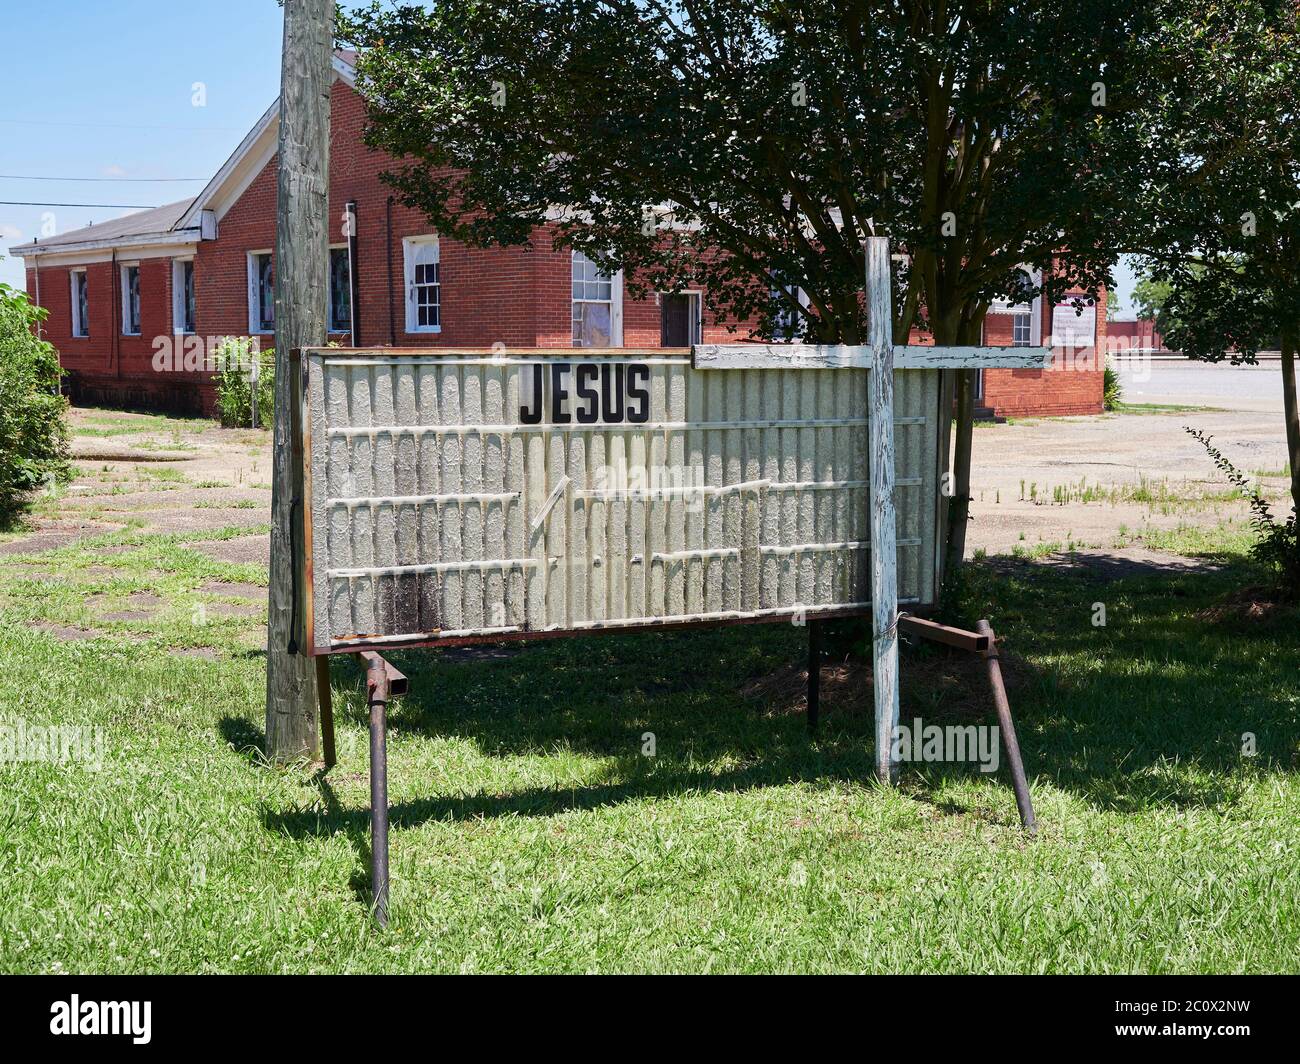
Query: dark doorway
x,y
677,320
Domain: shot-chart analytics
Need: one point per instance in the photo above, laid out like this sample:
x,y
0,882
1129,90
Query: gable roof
x,y
156,222
254,152
181,222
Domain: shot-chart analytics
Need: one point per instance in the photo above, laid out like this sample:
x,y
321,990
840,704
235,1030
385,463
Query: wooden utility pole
x,y
884,535
301,302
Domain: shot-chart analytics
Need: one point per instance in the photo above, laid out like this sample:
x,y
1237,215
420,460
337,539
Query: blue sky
x,y
107,91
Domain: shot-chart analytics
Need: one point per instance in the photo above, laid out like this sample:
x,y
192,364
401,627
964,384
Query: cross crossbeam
x,y
860,356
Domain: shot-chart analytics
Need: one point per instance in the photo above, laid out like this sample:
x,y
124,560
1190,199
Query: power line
x,y
34,177
40,203
120,125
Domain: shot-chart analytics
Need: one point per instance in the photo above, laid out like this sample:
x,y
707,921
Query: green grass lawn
x,y
531,834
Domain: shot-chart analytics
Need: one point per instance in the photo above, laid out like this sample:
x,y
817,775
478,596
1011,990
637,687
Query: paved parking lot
x,y
1100,481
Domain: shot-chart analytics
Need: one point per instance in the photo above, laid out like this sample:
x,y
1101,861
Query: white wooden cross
x,y
882,356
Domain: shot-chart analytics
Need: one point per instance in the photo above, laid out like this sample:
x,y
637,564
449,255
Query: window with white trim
x,y
1025,311
340,291
786,323
131,300
597,305
182,295
261,292
423,273
80,303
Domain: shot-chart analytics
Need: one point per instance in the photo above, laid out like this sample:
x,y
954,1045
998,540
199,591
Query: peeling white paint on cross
x,y
881,356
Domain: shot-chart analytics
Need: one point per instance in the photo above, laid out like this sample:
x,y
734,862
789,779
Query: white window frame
x,y
1028,318
410,244
1034,309
80,328
784,326
329,274
125,269
178,296
615,303
696,296
254,295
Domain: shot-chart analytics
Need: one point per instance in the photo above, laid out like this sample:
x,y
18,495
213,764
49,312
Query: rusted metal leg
x,y
326,701
382,683
377,690
814,672
1018,781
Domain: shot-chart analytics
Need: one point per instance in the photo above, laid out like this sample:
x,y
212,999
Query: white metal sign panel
x,y
1074,330
458,495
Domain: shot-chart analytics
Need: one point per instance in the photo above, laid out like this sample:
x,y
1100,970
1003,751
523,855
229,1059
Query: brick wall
x,y
1072,386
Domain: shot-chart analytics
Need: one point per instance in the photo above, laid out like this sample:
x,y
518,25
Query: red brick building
x,y
134,303
1134,337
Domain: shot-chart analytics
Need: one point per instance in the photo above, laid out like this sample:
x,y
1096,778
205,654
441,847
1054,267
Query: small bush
x,y
1112,391
235,360
33,426
1278,546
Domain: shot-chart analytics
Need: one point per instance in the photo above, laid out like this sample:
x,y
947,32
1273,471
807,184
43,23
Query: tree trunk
x,y
1291,412
301,258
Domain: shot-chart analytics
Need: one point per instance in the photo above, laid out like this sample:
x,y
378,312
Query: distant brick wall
x,y
519,297
1072,386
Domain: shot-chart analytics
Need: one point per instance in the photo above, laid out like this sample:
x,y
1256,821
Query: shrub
x,y
235,359
33,426
1278,546
1112,391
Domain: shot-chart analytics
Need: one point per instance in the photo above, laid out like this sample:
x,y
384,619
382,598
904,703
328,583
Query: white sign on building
x,y
1071,329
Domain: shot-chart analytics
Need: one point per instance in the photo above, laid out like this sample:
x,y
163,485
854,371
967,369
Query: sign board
x,y
456,495
1074,331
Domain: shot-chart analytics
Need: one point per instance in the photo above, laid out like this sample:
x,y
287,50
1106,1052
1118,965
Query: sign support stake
x,y
814,673
884,546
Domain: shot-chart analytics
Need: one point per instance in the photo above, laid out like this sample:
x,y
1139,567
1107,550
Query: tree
x,y
1150,297
1223,203
746,147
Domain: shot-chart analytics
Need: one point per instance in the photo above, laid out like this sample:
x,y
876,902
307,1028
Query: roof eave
x,y
174,236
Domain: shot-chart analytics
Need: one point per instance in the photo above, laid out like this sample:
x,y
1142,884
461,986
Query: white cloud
x,y
10,232
114,171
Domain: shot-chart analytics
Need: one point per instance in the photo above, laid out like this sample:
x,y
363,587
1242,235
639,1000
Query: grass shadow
x,y
1143,712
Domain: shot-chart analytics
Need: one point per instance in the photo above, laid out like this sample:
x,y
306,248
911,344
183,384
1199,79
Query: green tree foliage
x,y
744,146
1150,297
33,430
1220,212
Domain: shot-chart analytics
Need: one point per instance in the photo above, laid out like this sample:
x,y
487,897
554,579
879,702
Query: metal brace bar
x,y
984,643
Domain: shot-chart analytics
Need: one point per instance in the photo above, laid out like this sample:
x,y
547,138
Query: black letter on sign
x,y
638,412
533,416
611,392
589,412
559,393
